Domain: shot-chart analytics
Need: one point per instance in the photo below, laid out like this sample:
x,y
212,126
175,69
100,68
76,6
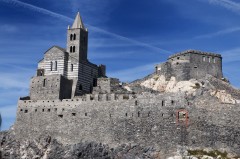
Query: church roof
x,y
78,22
59,48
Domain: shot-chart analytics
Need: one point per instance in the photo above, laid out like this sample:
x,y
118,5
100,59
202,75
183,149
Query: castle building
x,y
191,64
66,73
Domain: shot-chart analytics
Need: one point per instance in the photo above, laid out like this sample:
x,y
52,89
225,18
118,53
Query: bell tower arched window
x,y
73,49
74,36
71,37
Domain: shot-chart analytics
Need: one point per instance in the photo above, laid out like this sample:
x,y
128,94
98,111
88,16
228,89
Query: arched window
x,y
73,50
55,65
44,82
72,67
51,65
74,36
71,37
80,87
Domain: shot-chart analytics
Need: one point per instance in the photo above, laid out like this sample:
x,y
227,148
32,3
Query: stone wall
x,y
50,87
164,120
191,65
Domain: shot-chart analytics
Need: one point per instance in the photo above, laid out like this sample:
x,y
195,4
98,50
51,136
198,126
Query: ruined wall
x,y
191,65
148,119
211,65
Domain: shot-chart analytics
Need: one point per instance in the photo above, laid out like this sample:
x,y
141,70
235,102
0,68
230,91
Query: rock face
x,y
45,147
217,88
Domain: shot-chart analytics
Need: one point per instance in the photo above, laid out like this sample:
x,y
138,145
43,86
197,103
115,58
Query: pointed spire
x,y
78,22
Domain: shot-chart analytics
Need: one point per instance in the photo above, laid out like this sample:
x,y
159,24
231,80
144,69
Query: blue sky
x,y
129,36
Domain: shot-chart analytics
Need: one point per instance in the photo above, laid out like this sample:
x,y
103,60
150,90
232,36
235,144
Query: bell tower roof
x,y
78,22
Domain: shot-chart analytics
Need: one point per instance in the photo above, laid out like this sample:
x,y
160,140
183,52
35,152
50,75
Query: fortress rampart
x,y
165,121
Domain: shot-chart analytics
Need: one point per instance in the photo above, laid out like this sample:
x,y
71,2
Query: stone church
x,y
66,73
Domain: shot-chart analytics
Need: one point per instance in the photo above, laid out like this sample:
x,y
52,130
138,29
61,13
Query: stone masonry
x,y
73,101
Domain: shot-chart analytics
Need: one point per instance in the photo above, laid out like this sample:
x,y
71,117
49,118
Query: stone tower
x,y
77,39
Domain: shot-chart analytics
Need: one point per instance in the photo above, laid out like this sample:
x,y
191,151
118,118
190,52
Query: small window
x,y
163,103
172,102
61,116
80,87
44,82
148,114
26,111
42,110
136,102
55,65
178,58
71,48
182,115
55,109
72,67
195,66
126,114
49,110
51,65
85,114
74,36
71,37
138,114
204,58
35,110
73,114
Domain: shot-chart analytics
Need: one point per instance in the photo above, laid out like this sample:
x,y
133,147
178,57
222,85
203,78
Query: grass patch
x,y
214,153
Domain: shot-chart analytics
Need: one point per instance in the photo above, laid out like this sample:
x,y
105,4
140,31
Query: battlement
x,y
195,52
80,99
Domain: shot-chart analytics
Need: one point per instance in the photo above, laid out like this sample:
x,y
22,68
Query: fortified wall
x,y
191,64
72,100
165,121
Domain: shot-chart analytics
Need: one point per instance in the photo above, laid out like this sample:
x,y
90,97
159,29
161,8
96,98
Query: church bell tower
x,y
77,39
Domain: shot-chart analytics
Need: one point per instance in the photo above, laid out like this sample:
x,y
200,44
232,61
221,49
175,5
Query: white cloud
x,y
8,28
93,28
131,74
231,55
218,33
231,5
